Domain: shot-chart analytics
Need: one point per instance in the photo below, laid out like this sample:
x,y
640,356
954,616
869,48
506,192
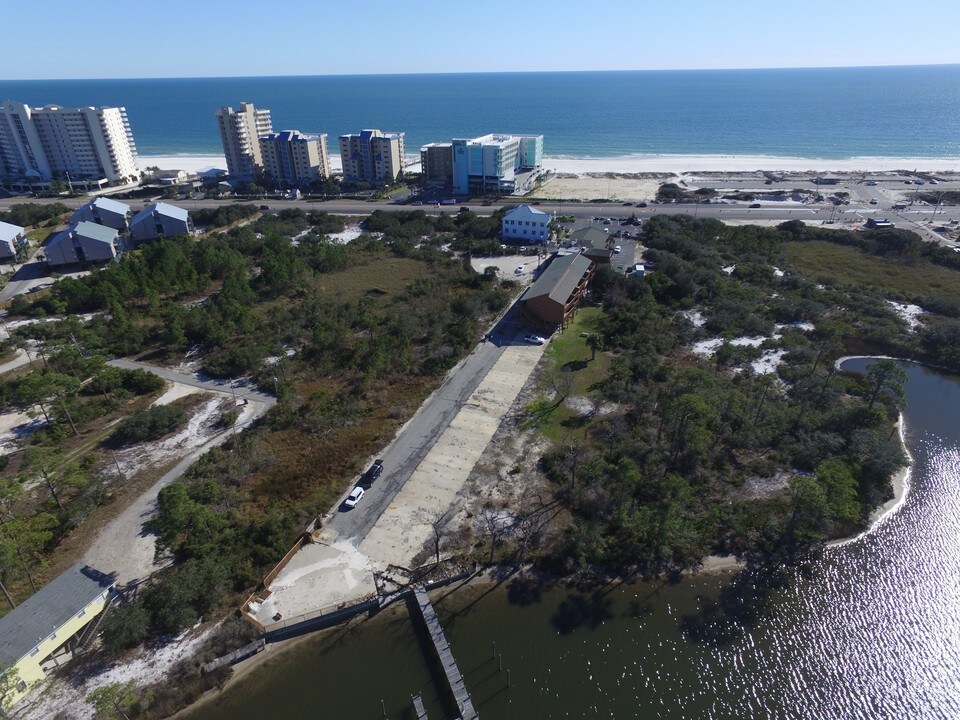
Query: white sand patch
x,y
911,314
15,427
706,348
348,234
201,427
695,317
175,392
803,326
507,266
768,363
149,666
586,187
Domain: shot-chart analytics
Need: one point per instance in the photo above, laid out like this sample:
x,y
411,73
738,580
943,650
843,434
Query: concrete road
x,y
421,432
741,211
234,388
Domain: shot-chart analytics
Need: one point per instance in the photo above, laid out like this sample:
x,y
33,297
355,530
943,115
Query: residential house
x,y
556,294
82,244
597,244
159,219
13,243
104,211
527,224
50,623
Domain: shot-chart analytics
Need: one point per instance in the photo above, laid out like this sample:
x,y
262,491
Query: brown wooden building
x,y
554,297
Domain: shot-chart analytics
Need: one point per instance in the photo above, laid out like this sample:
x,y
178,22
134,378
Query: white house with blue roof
x,y
526,223
104,211
160,219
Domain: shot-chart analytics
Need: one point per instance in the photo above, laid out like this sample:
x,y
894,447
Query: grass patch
x,y
849,265
379,277
569,353
39,236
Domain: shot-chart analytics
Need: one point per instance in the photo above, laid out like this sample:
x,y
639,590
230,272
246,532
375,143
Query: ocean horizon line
x,y
483,72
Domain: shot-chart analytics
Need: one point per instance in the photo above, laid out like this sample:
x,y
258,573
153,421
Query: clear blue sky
x,y
176,38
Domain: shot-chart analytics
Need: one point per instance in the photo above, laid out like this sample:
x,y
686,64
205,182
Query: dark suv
x,y
375,471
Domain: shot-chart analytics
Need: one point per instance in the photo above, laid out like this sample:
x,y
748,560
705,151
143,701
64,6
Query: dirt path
x,y
123,546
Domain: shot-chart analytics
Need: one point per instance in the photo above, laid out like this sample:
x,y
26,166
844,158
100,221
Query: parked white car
x,y
355,496
534,339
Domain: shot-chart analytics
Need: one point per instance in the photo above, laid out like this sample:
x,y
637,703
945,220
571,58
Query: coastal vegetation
x,y
350,337
759,449
694,453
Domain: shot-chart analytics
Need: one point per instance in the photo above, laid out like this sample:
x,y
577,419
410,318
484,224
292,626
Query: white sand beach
x,y
644,164
198,163
676,164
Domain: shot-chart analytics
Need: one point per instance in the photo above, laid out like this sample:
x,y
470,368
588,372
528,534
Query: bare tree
x,y
493,526
438,523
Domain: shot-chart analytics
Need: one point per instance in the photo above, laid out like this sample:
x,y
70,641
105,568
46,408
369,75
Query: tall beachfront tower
x,y
372,156
84,144
240,132
292,158
497,163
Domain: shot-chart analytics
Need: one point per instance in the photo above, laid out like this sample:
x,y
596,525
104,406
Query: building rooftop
x,y
590,237
525,210
43,613
103,203
560,279
96,232
160,208
9,231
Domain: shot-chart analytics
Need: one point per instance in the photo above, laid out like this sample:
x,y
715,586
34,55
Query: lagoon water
x,y
834,113
870,629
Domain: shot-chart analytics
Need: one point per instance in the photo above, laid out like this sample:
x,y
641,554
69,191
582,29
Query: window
x,y
35,651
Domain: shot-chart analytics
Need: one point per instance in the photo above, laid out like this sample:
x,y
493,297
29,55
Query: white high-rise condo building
x,y
240,132
89,145
372,156
292,158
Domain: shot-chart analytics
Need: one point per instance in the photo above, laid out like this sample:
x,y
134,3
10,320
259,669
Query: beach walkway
x,y
454,679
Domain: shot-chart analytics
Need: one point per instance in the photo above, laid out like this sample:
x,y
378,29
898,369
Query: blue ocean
x,y
831,113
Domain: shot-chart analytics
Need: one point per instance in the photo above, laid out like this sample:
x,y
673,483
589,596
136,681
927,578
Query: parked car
x,y
641,204
355,496
519,270
264,207
755,205
874,201
534,339
617,249
375,471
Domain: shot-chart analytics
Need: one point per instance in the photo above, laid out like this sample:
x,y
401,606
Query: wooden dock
x,y
418,707
454,679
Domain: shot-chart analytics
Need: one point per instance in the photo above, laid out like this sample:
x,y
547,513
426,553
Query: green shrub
x,y
153,422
